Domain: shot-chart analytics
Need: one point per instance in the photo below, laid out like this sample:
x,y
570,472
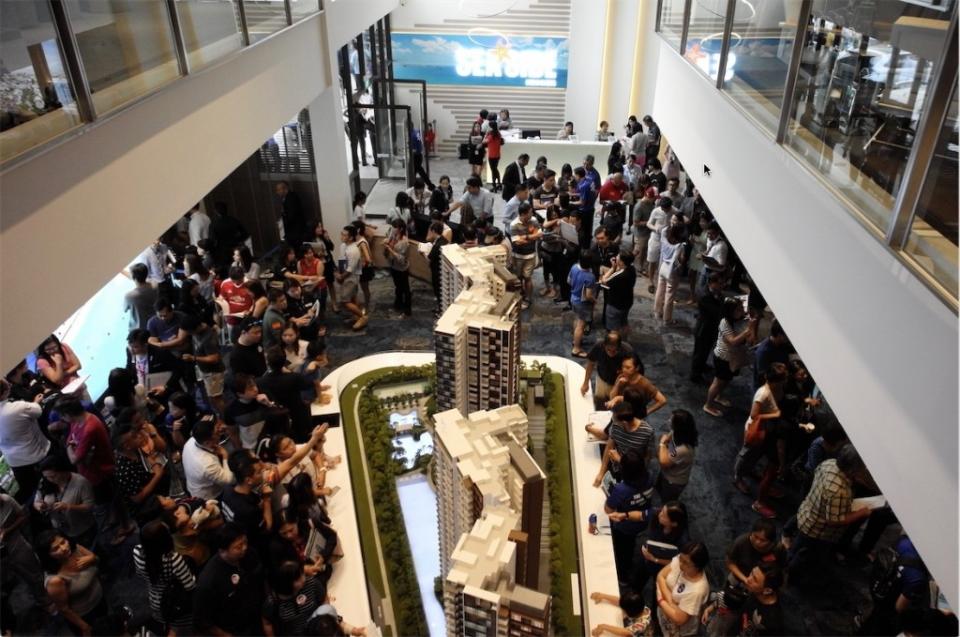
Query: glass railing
x,y
862,94
69,62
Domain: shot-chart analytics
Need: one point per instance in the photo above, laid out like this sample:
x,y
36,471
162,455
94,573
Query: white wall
x,y
589,20
74,216
880,345
347,18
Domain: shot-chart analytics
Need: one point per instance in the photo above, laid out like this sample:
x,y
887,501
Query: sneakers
x,y
763,510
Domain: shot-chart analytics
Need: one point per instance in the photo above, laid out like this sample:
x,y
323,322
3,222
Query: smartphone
x,y
331,420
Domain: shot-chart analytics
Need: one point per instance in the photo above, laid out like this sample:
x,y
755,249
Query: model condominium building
x,y
477,337
481,597
482,462
462,268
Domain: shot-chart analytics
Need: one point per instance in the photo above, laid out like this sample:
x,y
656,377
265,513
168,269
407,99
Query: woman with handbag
x,y
170,583
759,438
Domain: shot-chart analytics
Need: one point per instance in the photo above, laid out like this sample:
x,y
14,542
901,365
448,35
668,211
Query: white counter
x,y
597,567
557,153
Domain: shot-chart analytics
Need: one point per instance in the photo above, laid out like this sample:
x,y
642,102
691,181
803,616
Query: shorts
x,y
367,273
524,268
213,383
722,369
614,318
583,311
348,289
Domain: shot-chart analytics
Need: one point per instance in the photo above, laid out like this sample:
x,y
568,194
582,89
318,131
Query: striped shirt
x,y
822,512
737,354
174,569
639,439
290,615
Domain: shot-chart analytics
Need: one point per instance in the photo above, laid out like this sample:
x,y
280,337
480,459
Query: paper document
x,y
568,232
74,386
873,502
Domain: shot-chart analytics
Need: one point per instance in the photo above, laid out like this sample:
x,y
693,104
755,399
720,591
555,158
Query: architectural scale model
x,y
478,334
489,489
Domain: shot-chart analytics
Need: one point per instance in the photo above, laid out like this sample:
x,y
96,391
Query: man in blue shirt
x,y
583,294
592,173
773,349
512,207
588,198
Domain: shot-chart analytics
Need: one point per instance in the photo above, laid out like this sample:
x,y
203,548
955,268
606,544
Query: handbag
x,y
754,432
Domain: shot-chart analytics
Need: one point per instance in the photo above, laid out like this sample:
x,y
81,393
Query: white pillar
x,y
330,159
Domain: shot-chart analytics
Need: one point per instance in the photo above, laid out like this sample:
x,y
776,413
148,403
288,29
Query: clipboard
x,y
568,232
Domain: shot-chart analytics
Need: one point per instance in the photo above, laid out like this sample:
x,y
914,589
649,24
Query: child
x,y
636,616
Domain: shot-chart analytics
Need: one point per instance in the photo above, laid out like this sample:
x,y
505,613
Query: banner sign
x,y
480,60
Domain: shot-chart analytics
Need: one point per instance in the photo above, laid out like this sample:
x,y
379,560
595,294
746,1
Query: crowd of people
x,y
201,467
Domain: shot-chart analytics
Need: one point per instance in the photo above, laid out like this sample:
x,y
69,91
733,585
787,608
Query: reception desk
x,y
557,153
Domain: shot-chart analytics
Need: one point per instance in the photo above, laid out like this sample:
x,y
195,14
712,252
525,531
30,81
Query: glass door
x,y
384,133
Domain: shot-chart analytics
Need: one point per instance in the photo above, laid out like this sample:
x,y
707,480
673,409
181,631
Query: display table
x,y
557,153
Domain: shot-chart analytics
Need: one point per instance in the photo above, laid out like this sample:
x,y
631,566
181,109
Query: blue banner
x,y
480,60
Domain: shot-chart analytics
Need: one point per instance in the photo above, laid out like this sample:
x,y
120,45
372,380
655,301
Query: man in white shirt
x,y
205,460
714,257
420,195
348,276
632,171
479,199
21,441
199,226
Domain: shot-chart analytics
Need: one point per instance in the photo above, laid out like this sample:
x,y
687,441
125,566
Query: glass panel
x,y
933,236
36,100
671,21
705,35
264,17
303,8
760,47
211,29
126,48
861,90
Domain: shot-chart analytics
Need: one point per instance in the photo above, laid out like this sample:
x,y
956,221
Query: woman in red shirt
x,y
493,141
310,270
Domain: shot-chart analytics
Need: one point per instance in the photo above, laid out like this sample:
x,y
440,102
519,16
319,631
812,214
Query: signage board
x,y
480,60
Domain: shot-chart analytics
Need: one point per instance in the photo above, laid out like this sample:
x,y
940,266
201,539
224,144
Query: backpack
x,y
885,583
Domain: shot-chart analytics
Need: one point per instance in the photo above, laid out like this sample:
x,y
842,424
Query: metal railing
x,y
897,231
75,70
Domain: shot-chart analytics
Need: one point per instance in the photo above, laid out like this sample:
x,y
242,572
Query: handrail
x,y
77,77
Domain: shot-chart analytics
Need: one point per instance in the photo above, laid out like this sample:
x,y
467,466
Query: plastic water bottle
x,y
592,524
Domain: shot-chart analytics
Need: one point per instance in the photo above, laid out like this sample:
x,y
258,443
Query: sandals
x,y
578,353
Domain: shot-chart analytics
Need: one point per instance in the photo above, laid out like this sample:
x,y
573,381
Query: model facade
x,y
490,490
478,334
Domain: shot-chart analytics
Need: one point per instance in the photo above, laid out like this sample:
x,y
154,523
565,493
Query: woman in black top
x,y
477,150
